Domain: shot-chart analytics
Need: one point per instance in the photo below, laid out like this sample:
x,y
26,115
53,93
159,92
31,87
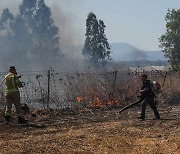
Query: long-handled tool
x,y
129,106
141,98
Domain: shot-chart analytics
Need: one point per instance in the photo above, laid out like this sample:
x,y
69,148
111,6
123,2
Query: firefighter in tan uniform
x,y
12,95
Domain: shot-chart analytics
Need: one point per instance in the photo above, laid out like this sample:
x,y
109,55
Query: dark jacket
x,y
149,92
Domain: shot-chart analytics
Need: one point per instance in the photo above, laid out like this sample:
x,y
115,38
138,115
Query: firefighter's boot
x,y
22,120
7,118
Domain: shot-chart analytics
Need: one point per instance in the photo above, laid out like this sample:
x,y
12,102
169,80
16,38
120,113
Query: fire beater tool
x,y
132,104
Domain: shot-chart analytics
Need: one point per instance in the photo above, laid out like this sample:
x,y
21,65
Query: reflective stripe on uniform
x,y
10,83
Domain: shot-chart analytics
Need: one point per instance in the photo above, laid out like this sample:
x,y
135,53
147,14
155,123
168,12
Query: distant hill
x,y
155,55
120,52
126,52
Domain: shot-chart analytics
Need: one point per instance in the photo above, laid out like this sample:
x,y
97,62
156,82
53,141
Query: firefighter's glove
x,y
19,76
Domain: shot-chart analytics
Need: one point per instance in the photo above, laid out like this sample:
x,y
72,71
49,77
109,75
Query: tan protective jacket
x,y
12,83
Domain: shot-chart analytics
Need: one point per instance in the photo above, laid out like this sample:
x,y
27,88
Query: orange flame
x,y
79,99
99,102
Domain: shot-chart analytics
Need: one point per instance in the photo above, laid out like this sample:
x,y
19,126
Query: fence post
x,y
49,75
114,83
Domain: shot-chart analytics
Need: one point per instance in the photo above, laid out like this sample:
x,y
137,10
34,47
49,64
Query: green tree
x,y
170,41
104,47
31,36
96,48
43,35
6,22
46,34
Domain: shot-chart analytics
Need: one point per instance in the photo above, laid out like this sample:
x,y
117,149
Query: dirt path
x,y
95,131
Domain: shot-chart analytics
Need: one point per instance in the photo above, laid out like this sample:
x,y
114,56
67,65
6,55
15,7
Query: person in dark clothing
x,y
148,97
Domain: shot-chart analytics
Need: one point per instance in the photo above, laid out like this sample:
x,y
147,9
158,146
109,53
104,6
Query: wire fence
x,y
51,89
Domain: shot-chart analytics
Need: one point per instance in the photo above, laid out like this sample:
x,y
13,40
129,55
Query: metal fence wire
x,y
51,89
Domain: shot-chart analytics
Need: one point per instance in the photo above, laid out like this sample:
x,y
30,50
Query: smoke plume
x,y
69,32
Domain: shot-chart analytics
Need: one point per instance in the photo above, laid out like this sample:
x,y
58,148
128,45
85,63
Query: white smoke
x,y
71,34
11,5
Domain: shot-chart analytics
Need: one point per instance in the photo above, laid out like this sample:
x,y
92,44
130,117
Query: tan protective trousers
x,y
13,98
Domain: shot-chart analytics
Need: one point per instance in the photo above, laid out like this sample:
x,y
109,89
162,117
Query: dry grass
x,y
104,130
98,131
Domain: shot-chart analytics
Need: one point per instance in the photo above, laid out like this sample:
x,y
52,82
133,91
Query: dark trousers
x,y
151,103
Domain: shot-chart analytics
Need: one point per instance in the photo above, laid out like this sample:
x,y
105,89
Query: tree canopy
x,y
96,47
170,41
31,34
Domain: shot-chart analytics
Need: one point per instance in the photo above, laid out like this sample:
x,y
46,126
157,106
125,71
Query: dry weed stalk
x,y
93,89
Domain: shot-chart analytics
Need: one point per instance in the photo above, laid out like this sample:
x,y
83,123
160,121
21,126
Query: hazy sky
x,y
137,22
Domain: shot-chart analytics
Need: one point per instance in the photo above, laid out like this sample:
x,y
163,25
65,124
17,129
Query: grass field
x,y
95,131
